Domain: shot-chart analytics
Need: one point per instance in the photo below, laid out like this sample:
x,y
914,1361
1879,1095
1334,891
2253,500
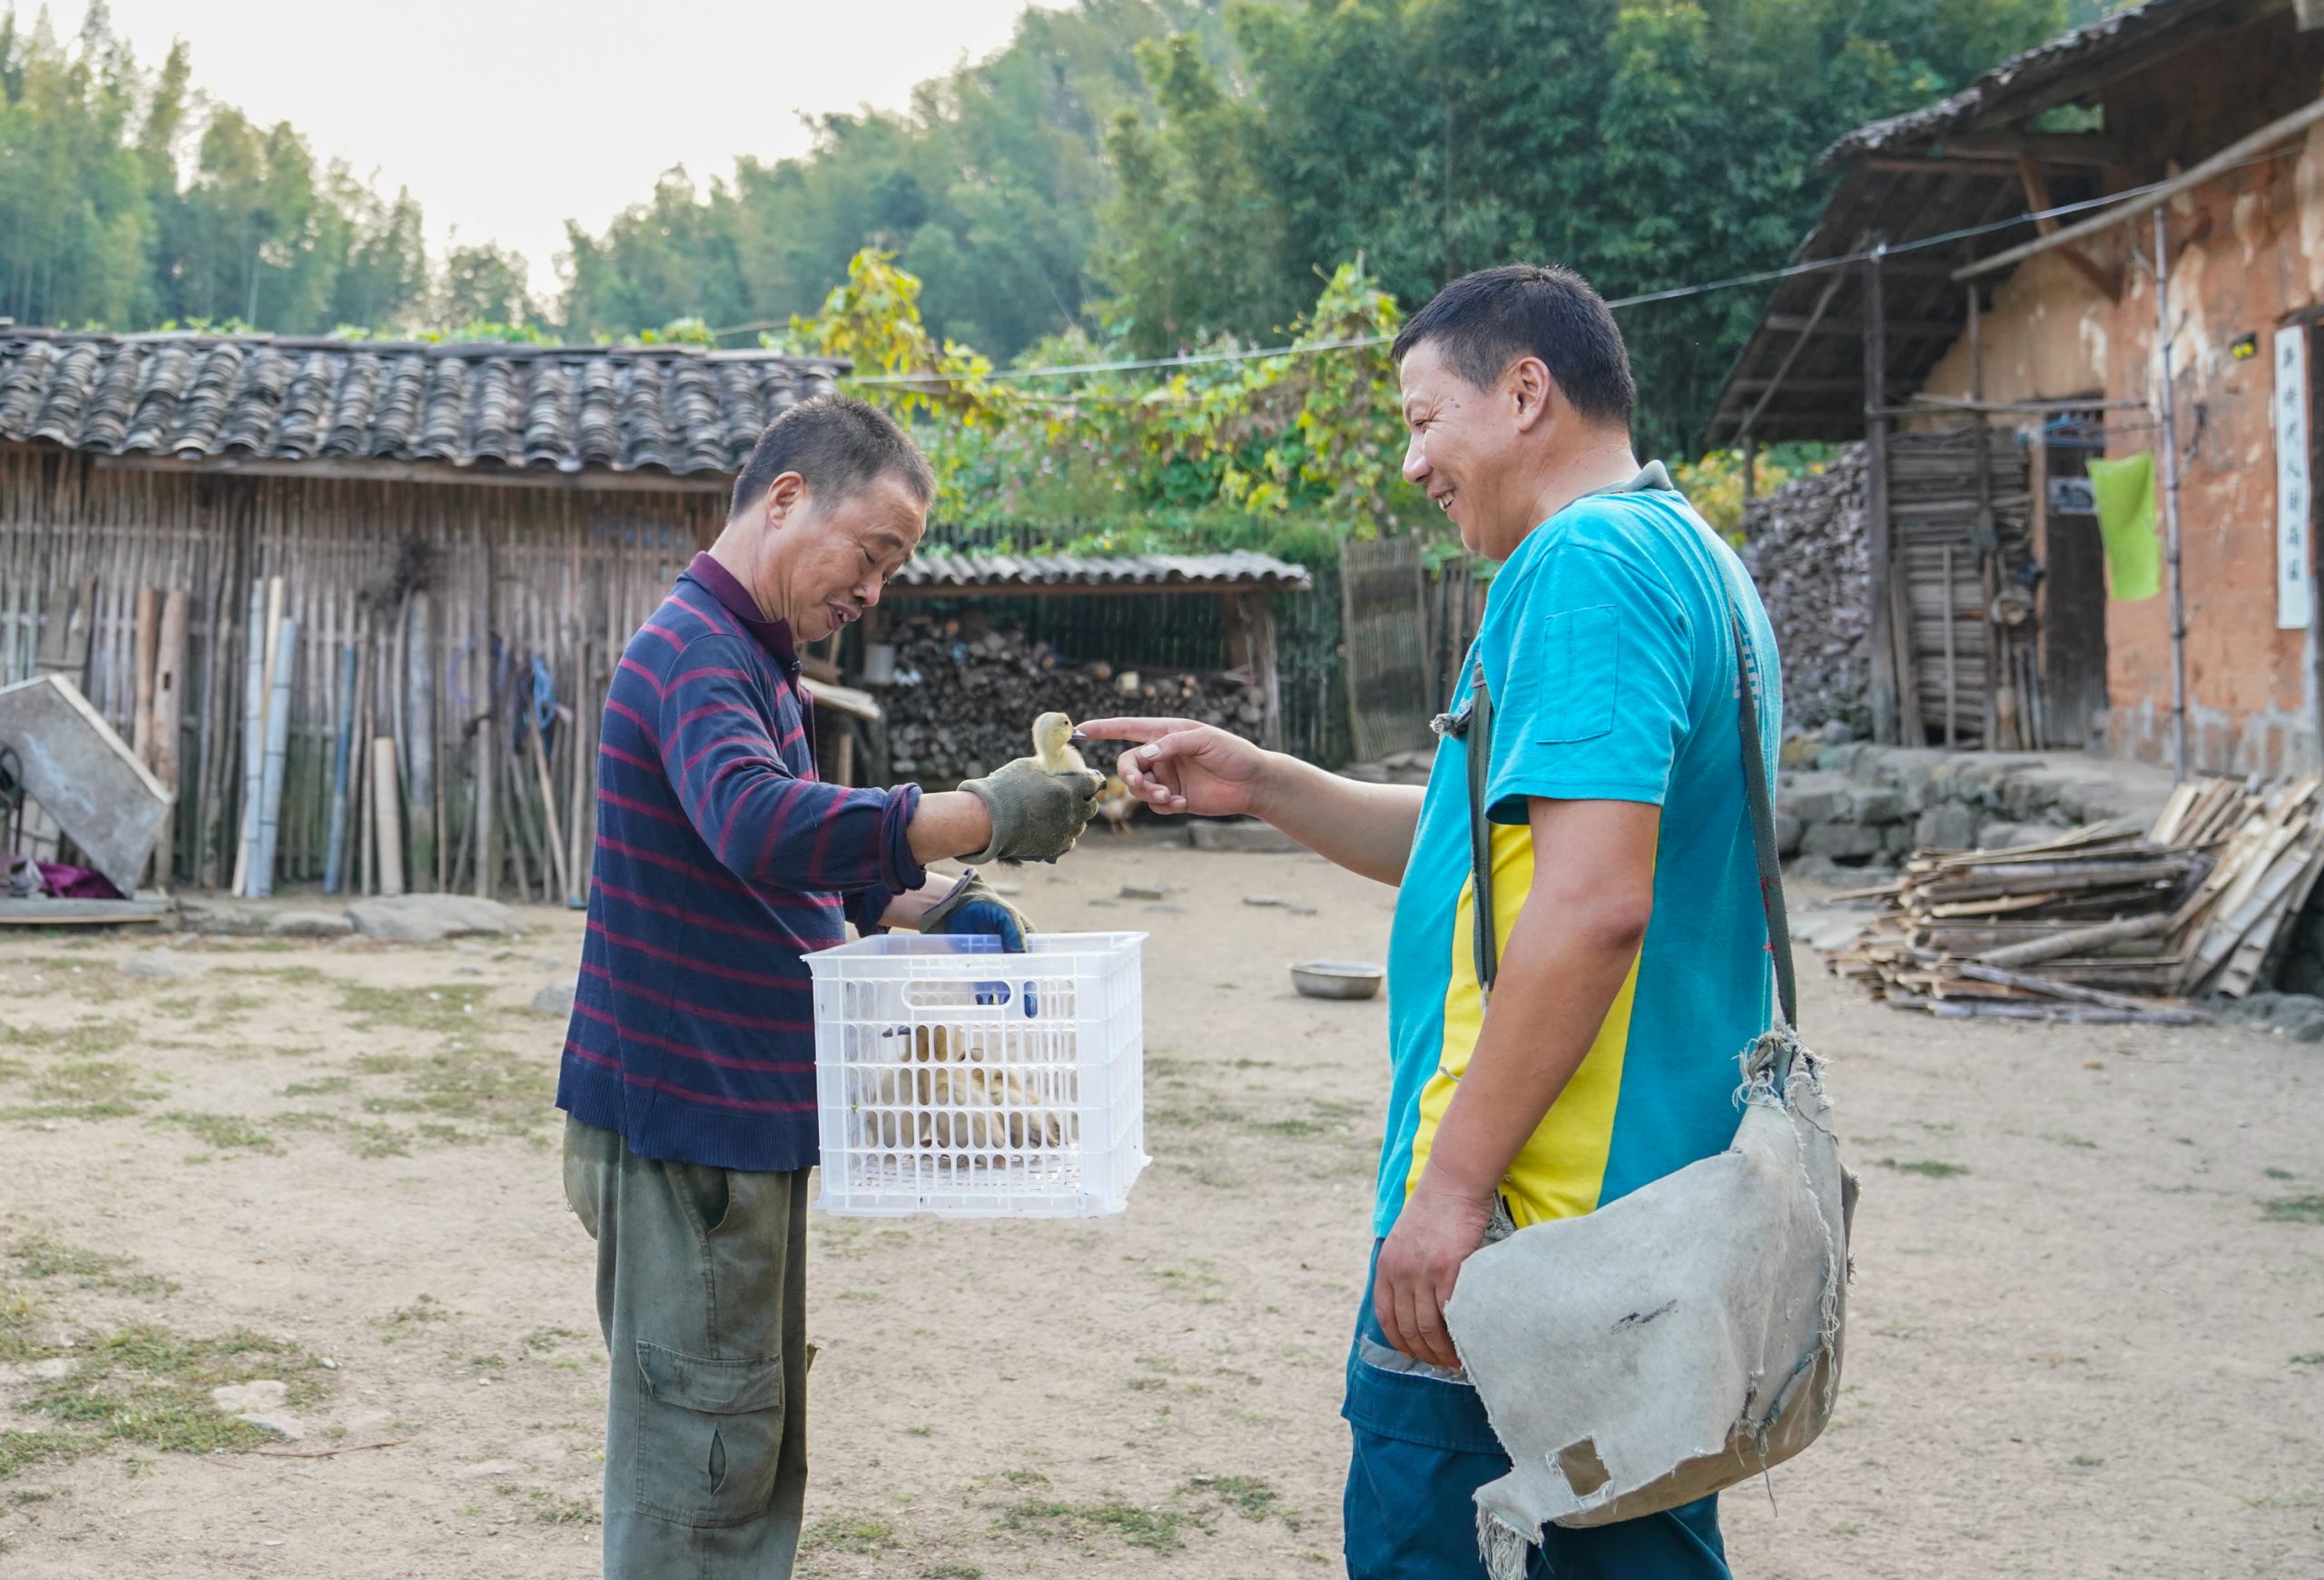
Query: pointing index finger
x,y
1131,729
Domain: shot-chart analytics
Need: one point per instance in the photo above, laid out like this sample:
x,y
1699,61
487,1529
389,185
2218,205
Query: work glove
x,y
1037,813
974,906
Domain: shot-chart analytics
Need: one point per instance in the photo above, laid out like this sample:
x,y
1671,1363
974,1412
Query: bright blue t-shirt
x,y
1607,644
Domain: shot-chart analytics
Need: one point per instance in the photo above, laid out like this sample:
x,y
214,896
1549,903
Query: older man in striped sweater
x,y
688,1078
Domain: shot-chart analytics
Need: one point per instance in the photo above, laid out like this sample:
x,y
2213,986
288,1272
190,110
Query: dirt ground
x,y
2087,1331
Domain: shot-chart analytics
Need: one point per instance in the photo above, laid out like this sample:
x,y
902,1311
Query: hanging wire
x,y
1642,299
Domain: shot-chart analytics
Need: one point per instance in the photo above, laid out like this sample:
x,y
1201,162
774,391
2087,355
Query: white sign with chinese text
x,y
2295,605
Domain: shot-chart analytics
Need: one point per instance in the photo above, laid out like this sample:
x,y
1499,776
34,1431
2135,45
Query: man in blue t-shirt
x,y
1633,965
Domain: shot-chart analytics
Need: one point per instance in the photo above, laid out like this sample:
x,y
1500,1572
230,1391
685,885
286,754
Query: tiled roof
x,y
2136,31
943,570
562,409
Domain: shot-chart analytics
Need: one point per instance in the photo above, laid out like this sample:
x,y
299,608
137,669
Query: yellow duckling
x,y
1053,745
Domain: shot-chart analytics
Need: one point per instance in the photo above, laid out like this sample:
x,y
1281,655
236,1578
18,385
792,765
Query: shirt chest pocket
x,y
1568,690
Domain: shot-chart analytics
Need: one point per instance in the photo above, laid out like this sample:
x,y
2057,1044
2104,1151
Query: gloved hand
x,y
1036,814
973,906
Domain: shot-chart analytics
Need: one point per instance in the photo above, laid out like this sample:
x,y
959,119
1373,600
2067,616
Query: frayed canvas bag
x,y
1687,1336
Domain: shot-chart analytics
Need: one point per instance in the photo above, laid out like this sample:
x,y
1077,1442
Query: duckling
x,y
1053,745
1116,804
942,1099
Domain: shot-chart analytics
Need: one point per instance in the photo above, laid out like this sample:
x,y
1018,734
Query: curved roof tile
x,y
559,408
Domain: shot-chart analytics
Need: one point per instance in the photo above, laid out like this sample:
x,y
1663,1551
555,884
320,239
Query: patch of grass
x,y
542,1339
1155,1529
231,1005
952,1572
369,1139
2280,1174
920,1431
860,1297
1146,1384
80,1081
554,1508
178,1007
287,975
328,1086
448,1008
39,1112
1926,1167
18,1310
1247,1496
223,1132
2302,1498
2295,1210
149,1387
2317,1358
487,1362
43,1257
20,1451
2085,1462
2067,1138
851,1533
406,1321
1157,1363
462,1081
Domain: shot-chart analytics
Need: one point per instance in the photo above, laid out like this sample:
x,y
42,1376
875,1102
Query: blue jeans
x,y
1423,1446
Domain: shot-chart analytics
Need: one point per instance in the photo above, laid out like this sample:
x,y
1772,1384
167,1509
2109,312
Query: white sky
x,y
507,117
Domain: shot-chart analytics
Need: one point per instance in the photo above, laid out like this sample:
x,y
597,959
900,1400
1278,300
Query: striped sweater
x,y
722,861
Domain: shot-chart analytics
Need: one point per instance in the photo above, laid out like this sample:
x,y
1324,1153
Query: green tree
x,y
486,284
76,219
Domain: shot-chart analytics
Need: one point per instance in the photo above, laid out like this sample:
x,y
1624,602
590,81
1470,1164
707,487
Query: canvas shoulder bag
x,y
1688,1335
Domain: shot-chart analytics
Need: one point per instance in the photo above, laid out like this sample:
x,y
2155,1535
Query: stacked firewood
x,y
965,695
2110,922
1807,548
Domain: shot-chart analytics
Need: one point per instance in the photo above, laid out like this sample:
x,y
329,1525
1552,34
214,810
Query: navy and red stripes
x,y
722,861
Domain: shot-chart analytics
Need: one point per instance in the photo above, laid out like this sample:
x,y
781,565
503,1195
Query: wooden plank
x,y
53,912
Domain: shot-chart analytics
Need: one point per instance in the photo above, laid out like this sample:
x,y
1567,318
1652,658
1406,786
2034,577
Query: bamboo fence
x,y
473,629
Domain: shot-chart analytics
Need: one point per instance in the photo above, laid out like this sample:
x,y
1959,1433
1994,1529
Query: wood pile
x,y
1806,550
2105,923
966,694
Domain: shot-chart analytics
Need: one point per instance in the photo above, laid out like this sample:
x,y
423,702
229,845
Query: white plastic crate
x,y
954,1079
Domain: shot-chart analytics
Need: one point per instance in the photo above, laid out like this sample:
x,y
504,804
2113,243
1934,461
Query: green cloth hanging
x,y
2125,491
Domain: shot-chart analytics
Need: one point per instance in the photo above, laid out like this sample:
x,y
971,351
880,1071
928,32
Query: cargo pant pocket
x,y
709,1435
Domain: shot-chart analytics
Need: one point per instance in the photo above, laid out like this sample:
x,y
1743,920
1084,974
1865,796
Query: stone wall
x,y
1843,811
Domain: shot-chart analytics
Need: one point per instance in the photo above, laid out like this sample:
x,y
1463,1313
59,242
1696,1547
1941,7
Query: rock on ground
x,y
310,925
430,918
216,915
555,1001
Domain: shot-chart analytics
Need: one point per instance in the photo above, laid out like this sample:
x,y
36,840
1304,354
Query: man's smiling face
x,y
1457,453
822,567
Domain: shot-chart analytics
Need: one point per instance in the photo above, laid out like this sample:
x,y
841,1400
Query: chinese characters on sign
x,y
2294,602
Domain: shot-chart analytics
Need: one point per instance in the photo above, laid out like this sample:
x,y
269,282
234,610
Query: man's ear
x,y
784,496
1530,390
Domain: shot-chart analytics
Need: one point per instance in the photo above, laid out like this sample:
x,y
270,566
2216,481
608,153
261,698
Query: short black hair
x,y
1486,321
840,447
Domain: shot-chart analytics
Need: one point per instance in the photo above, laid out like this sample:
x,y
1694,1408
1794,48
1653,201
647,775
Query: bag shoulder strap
x,y
1759,802
1477,742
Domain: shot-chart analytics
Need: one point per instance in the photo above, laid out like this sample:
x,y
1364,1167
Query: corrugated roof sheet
x,y
940,570
561,408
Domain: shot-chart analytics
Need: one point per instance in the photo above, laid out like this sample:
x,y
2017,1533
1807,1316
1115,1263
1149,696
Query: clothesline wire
x,y
1642,299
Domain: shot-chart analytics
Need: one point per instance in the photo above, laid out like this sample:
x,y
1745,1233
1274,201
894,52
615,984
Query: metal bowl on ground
x,y
1336,979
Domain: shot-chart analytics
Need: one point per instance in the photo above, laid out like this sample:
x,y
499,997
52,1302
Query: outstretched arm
x,y
1181,766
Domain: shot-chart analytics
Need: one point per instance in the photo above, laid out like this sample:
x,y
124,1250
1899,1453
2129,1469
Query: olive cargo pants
x,y
702,1296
